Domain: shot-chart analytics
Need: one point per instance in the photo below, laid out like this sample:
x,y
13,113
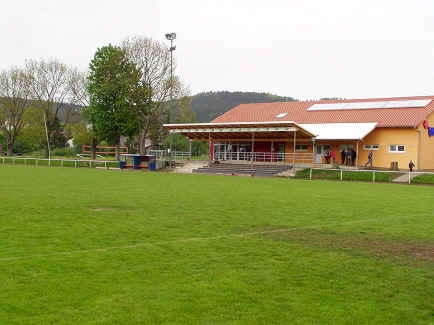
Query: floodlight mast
x,y
171,37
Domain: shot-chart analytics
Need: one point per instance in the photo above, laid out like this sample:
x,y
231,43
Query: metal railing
x,y
176,155
75,163
272,157
256,156
390,176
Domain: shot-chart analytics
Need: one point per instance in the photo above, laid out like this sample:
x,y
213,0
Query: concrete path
x,y
188,167
404,178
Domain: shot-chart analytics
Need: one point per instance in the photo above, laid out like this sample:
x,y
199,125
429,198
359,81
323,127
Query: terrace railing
x,y
176,155
255,156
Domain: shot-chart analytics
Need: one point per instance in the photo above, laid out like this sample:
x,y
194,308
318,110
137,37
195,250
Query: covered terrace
x,y
271,142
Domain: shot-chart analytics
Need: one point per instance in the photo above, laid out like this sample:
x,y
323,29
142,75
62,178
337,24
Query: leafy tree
x,y
32,135
156,86
14,100
82,134
112,77
51,89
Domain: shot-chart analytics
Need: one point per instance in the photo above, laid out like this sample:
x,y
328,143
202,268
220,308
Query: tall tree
x,y
14,100
51,83
152,94
112,77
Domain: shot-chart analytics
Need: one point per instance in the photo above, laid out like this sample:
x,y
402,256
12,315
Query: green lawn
x,y
87,246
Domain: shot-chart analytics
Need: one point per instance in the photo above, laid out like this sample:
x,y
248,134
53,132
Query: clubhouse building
x,y
395,130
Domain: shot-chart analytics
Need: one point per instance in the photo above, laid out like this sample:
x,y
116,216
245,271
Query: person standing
x,y
369,162
353,156
343,156
349,157
411,165
333,155
327,157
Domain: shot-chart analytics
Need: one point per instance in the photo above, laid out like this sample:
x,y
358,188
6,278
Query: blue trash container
x,y
122,164
136,162
152,165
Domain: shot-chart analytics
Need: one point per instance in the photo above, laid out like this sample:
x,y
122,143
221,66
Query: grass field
x,y
86,246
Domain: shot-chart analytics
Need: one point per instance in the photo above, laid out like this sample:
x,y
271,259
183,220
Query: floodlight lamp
x,y
171,36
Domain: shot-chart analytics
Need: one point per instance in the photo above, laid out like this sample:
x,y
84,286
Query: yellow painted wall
x,y
427,146
384,137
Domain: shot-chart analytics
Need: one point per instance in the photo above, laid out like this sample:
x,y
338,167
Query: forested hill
x,y
207,106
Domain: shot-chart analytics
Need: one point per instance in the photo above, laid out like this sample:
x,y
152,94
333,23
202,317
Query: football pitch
x,y
83,246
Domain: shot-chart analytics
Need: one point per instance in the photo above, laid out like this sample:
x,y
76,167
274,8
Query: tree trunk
x,y
47,150
9,149
117,155
142,143
93,150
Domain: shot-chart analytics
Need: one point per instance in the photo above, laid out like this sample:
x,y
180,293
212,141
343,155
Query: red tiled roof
x,y
297,112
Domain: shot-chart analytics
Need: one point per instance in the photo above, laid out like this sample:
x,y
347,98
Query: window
x,y
301,147
371,147
397,148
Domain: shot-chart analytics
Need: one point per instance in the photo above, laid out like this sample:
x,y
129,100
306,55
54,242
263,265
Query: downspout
x,y
419,149
293,156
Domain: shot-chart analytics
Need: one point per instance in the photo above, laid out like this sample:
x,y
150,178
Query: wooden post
x,y
357,154
313,150
189,149
253,146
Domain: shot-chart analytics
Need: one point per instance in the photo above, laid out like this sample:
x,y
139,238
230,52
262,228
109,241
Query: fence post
x,y
37,162
409,177
373,176
75,163
310,174
341,175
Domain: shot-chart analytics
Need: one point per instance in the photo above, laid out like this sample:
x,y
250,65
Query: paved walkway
x,y
188,167
404,178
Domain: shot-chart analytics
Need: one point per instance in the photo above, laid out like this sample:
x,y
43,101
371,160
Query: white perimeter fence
x,y
391,176
76,163
367,175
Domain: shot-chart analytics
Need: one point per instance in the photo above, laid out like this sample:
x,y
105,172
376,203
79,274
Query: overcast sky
x,y
306,49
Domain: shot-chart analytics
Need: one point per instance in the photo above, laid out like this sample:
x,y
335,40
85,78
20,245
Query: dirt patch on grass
x,y
108,209
357,244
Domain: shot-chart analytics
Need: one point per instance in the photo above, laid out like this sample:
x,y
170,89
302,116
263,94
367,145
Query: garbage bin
x,y
152,165
122,164
136,162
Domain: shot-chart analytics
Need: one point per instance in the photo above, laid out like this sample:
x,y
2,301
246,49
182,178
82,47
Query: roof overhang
x,y
340,131
201,131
